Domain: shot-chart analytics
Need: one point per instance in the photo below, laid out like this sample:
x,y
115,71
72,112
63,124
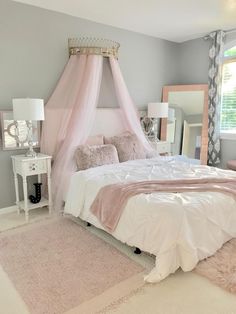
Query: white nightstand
x,y
29,166
162,147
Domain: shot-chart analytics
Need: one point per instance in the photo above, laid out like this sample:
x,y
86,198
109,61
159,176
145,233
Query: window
x,y
228,95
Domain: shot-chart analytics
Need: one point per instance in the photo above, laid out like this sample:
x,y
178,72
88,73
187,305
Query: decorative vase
x,y
37,198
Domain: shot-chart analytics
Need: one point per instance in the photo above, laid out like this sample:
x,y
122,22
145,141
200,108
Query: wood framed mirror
x,y
190,104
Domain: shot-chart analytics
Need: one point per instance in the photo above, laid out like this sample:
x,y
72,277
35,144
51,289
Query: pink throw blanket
x,y
112,199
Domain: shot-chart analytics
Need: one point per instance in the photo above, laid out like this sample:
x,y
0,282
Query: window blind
x,y
228,97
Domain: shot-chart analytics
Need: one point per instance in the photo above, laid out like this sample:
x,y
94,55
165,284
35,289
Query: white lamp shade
x,y
28,109
158,110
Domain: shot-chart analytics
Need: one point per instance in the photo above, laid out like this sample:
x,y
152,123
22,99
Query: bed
x,y
180,229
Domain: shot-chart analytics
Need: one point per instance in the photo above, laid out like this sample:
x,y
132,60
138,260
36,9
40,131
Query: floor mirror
x,y
189,127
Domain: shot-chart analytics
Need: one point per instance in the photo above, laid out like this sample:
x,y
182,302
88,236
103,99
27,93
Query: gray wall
x,y
34,52
193,69
193,61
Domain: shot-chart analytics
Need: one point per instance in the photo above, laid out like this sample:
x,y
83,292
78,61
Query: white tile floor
x,y
13,220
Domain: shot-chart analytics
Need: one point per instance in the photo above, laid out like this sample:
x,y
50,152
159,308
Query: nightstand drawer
x,y
36,167
31,167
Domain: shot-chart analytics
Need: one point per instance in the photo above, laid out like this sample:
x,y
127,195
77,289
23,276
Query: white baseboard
x,y
8,210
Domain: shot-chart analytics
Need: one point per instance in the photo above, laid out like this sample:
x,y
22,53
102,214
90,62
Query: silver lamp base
x,y
31,152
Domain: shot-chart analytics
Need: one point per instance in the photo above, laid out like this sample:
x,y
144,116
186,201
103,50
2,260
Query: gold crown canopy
x,y
95,46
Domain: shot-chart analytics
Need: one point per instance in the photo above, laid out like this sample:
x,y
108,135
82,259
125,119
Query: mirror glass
x,y
171,126
14,133
186,132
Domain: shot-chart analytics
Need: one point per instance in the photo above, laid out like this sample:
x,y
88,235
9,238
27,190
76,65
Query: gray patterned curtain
x,y
214,84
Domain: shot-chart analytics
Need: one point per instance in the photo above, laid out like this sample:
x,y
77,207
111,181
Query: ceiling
x,y
175,20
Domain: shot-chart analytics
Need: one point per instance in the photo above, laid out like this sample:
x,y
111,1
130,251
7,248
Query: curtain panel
x,y
214,96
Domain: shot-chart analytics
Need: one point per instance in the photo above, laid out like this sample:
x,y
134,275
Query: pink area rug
x,y
221,267
58,265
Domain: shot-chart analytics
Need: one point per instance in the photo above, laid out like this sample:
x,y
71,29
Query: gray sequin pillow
x,y
93,156
128,146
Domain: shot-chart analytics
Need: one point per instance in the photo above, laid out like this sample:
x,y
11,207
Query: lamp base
x,y
31,153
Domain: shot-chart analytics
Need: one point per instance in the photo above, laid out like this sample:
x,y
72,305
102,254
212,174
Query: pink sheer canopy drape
x,y
60,105
81,97
70,113
129,111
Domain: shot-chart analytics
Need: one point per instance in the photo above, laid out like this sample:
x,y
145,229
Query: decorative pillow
x,y
128,146
95,140
94,156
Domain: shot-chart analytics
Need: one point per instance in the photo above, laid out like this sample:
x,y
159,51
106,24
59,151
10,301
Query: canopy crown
x,y
95,46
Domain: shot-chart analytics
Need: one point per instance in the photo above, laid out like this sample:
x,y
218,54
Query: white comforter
x,y
178,228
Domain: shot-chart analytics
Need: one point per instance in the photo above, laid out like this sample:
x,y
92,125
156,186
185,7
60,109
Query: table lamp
x,y
157,110
29,110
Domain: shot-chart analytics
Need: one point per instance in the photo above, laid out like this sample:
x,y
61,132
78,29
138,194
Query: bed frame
x,y
136,250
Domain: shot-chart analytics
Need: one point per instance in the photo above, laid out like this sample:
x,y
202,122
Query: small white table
x,y
29,166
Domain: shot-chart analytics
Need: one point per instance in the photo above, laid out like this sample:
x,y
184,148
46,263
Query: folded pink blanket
x,y
112,199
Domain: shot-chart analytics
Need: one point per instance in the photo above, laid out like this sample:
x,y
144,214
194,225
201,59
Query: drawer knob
x,y
32,167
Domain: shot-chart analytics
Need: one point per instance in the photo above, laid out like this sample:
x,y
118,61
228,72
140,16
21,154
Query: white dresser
x,y
29,166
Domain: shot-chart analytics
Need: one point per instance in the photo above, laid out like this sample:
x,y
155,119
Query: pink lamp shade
x,y
158,110
28,109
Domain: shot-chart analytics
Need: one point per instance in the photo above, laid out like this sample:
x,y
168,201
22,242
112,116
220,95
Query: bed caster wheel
x,y
137,251
88,224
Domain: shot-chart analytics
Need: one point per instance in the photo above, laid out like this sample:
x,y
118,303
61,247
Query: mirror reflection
x,y
14,133
171,126
187,133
